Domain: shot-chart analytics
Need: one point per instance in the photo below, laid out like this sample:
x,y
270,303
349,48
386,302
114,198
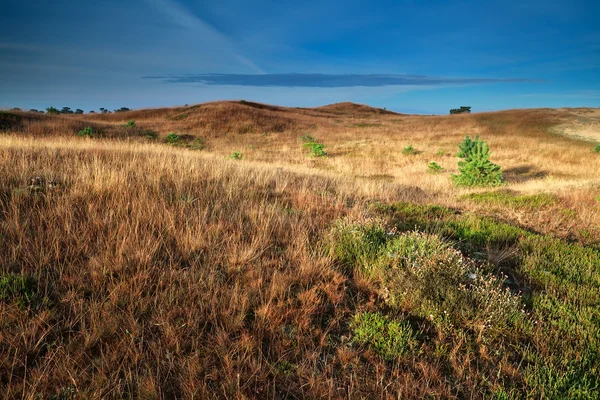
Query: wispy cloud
x,y
326,80
179,15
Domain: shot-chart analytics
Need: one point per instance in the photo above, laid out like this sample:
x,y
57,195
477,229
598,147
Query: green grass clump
x,y
88,131
409,150
19,289
129,124
388,338
236,155
597,149
356,244
510,198
434,167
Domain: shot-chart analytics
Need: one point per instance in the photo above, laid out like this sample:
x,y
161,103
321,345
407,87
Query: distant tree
x,y
104,110
122,109
92,112
66,110
52,110
15,109
33,110
79,111
461,110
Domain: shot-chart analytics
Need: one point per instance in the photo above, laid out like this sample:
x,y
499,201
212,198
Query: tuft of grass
x,y
597,149
16,288
387,337
236,155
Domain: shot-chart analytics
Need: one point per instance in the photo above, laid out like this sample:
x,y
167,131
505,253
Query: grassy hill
x,y
142,260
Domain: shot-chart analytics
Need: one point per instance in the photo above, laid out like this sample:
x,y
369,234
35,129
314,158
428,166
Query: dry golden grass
x,y
164,272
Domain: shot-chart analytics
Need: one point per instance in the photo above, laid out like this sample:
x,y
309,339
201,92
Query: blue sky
x,y
423,56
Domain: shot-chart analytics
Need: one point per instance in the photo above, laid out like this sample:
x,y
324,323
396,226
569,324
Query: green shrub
x,y
172,138
434,167
236,155
129,124
409,150
316,148
388,338
52,110
476,169
17,288
87,131
597,149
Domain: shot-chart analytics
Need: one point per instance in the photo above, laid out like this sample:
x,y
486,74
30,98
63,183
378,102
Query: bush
x,y
87,131
476,169
130,124
388,338
316,148
434,167
236,155
52,110
597,148
172,138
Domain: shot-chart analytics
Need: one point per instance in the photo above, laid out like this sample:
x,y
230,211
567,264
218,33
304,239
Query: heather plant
x,y
476,169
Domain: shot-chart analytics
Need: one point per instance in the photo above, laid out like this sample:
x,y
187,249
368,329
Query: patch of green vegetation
x,y
129,124
446,277
88,131
512,199
476,169
236,155
387,337
316,149
440,153
434,168
597,149
409,150
172,138
18,289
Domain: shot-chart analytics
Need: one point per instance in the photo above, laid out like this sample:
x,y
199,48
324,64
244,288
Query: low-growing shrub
x,y
387,337
172,138
316,149
597,149
130,124
236,155
434,167
87,131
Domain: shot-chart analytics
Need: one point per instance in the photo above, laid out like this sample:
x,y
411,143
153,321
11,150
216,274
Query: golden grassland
x,y
132,268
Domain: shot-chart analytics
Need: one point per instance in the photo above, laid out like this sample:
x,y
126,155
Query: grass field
x,y
145,260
